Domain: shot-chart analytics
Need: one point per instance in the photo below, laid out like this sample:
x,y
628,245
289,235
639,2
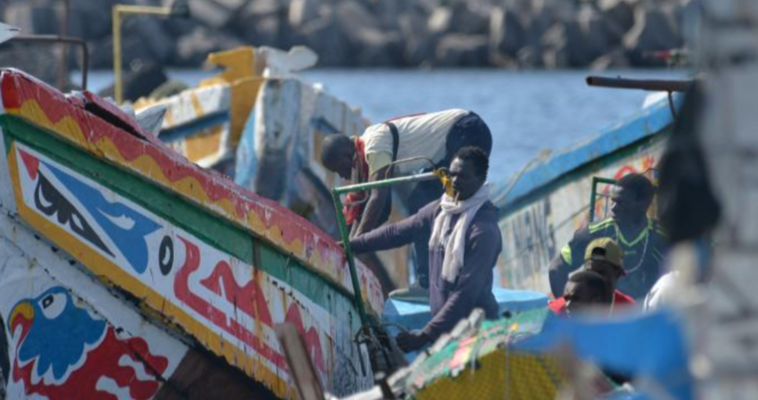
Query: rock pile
x,y
382,33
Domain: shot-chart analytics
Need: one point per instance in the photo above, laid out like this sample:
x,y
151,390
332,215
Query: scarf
x,y
355,201
454,241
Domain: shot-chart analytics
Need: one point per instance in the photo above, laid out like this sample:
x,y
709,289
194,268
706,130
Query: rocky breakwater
x,y
381,33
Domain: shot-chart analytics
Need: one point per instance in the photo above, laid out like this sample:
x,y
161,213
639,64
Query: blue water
x,y
527,111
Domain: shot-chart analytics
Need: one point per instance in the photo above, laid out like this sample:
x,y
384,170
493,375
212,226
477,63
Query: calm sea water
x,y
528,111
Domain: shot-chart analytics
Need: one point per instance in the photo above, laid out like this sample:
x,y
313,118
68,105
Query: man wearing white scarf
x,y
453,239
464,243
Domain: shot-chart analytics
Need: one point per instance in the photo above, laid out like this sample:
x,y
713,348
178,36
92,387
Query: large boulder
x,y
516,32
507,33
262,23
217,14
653,30
618,16
90,20
616,59
324,36
388,12
419,41
586,38
459,50
143,39
440,21
380,49
470,18
152,35
554,54
193,49
370,43
139,80
301,12
33,17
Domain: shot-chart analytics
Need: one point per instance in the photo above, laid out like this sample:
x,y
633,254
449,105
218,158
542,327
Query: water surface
x,y
527,111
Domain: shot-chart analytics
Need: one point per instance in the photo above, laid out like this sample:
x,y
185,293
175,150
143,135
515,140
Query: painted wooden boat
x,y
262,125
129,272
549,199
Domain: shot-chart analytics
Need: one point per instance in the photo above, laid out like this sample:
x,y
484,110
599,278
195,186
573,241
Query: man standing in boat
x,y
464,243
385,150
641,238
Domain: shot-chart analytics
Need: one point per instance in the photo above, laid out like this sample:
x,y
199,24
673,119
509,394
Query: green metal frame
x,y
593,199
345,232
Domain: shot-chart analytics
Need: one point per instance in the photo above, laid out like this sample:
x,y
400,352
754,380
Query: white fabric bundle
x,y
454,243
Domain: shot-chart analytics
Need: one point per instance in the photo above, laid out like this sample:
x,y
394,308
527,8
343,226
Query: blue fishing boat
x,y
551,197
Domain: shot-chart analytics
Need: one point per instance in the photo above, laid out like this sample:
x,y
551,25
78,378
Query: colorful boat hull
x,y
545,204
199,257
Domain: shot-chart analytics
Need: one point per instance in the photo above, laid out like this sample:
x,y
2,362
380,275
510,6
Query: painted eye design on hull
x,y
51,202
53,305
166,255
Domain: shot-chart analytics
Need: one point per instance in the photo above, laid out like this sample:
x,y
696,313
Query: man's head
x,y
468,171
632,197
604,257
585,290
337,152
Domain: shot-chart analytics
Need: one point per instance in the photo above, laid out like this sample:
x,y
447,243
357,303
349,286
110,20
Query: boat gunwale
x,y
320,241
567,164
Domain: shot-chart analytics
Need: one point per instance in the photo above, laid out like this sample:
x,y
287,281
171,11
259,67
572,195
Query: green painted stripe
x,y
174,209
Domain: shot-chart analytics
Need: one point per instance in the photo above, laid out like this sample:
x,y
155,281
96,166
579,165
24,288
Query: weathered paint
x,y
551,200
202,274
225,302
292,117
6,190
231,94
68,337
206,144
147,157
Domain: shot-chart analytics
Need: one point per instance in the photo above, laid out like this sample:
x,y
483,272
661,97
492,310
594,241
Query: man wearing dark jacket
x,y
641,239
464,243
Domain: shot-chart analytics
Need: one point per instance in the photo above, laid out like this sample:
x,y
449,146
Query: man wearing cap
x,y
603,257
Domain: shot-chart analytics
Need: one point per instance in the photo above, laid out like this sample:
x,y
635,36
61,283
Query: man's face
x,y
579,297
610,272
464,178
626,205
342,163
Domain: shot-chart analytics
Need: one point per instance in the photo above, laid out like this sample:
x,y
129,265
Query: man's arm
x,y
394,235
373,212
559,272
568,259
474,279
